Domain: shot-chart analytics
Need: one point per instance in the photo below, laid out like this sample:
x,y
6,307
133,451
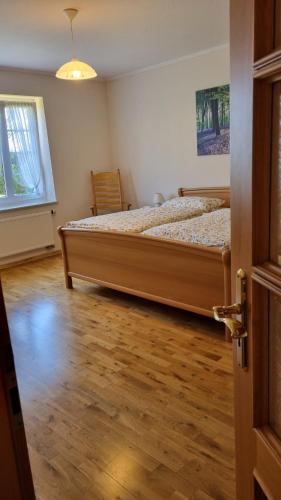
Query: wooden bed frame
x,y
187,276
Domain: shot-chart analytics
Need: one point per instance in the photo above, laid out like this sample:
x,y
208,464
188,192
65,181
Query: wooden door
x,y
256,240
15,475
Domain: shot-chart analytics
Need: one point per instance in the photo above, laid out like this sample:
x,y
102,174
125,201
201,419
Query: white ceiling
x,y
115,36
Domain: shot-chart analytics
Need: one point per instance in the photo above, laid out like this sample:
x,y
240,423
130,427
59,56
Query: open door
x,y
256,244
15,474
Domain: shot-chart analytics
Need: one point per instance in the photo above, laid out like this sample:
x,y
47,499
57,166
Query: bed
x,y
185,275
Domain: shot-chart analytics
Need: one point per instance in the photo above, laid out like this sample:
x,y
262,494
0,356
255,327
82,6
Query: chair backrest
x,y
107,194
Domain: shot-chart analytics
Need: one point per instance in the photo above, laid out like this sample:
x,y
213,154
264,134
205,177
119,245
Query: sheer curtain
x,y
23,143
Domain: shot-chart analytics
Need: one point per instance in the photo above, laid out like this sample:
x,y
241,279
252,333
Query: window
x,y
25,164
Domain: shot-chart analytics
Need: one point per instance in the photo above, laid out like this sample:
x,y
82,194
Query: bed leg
x,y
68,279
68,282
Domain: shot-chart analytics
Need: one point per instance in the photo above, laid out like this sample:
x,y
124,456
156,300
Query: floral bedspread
x,y
211,229
136,221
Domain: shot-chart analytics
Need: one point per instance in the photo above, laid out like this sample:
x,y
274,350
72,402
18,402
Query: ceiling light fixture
x,y
74,69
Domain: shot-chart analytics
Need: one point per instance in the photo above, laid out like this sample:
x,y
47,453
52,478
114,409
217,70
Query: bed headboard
x,y
208,192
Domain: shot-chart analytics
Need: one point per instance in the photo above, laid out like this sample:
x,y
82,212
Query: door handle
x,y
237,324
224,314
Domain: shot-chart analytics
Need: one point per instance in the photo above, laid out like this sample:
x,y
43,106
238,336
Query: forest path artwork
x,y
213,120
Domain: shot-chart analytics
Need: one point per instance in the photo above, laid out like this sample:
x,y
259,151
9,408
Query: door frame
x,y
254,66
241,110
15,472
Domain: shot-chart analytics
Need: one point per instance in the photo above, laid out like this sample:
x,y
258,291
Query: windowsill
x,y
27,205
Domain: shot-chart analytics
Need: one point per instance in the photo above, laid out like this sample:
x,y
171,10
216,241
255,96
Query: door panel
x,y
274,362
275,222
256,240
267,464
277,23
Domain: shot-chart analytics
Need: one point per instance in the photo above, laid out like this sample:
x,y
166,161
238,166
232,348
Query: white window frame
x,y
47,192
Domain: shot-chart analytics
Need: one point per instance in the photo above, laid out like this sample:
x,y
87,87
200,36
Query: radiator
x,y
24,233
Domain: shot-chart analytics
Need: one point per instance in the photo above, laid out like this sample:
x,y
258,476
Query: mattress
x,y
211,229
138,220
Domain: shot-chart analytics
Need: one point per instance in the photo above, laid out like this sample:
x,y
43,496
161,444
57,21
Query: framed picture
x,y
213,120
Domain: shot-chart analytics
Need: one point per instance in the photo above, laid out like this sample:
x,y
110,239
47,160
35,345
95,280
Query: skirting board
x,y
34,258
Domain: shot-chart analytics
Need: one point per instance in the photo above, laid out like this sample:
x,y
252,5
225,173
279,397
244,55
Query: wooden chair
x,y
107,192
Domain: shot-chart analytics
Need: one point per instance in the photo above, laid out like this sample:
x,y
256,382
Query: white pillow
x,y
200,202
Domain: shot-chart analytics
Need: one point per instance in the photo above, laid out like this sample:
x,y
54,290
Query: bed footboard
x,y
186,276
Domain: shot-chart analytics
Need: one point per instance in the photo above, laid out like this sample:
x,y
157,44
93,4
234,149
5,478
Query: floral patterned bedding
x,y
141,219
211,229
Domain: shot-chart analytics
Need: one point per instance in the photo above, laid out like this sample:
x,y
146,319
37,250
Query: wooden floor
x,y
122,398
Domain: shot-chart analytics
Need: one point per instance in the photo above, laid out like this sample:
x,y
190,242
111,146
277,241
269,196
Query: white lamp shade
x,y
76,70
158,199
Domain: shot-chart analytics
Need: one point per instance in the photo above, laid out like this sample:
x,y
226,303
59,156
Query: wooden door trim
x,y
267,60
268,462
272,268
269,270
268,280
272,441
271,70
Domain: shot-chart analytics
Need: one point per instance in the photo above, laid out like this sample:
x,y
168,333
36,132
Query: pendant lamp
x,y
74,69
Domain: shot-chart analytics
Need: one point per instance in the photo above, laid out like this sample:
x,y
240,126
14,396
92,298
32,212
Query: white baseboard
x,y
24,259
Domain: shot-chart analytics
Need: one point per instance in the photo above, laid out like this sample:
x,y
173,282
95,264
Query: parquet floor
x,y
122,398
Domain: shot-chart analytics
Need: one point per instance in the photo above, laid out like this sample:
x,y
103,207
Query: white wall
x,y
152,119
145,124
77,123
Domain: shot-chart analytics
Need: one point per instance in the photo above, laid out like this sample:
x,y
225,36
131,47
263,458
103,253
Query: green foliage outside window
x,y
18,186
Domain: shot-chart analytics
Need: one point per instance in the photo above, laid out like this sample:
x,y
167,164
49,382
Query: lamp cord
x,y
72,39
